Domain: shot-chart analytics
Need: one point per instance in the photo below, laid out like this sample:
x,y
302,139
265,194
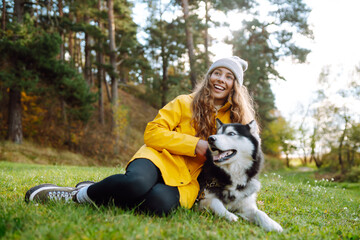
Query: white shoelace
x,y
61,195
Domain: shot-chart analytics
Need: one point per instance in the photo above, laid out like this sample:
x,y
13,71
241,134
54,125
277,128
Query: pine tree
x,y
14,120
35,52
189,42
165,43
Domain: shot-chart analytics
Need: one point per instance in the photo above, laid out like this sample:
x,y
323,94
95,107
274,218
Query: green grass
x,y
306,208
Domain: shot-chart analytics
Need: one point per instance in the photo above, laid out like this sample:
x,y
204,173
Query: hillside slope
x,y
93,145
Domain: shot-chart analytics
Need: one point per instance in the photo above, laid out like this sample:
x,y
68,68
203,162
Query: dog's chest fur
x,y
230,185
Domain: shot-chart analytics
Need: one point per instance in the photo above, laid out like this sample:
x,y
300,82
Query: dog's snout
x,y
211,139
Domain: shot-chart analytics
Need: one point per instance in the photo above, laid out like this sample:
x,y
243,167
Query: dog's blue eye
x,y
231,134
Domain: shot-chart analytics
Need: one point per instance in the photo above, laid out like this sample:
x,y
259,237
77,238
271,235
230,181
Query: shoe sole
x,y
31,193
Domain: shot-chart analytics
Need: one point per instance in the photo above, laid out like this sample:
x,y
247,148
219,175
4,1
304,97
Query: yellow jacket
x,y
170,144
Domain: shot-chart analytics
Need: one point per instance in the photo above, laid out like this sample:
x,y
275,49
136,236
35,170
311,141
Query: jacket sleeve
x,y
161,133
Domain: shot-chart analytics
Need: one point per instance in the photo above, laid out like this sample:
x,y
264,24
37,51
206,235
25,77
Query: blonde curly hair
x,y
203,107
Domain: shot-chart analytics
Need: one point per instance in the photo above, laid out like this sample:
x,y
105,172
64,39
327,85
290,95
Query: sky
x,y
336,43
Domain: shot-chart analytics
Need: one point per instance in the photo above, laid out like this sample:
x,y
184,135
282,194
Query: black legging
x,y
142,185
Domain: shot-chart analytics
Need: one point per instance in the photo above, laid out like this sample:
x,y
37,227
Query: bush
x,y
273,164
353,175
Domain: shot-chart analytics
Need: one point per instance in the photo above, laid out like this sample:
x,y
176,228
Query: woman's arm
x,y
160,133
201,148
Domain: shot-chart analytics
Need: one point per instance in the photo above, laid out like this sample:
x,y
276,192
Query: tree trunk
x,y
15,133
189,42
287,160
316,159
100,76
62,58
114,83
341,143
70,48
164,59
61,15
164,82
87,68
48,10
352,152
79,53
304,159
19,10
3,16
100,72
341,162
206,36
38,11
107,88
348,155
70,42
76,54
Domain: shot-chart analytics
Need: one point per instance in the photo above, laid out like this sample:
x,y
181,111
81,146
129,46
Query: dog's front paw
x,y
276,227
231,217
273,227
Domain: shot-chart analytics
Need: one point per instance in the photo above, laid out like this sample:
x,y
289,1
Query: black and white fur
x,y
229,179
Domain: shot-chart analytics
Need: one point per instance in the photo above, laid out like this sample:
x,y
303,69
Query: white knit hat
x,y
235,64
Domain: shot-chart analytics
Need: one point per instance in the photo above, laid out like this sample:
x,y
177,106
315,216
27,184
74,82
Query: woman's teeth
x,y
219,87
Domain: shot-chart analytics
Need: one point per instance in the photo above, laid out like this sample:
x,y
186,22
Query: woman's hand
x,y
201,148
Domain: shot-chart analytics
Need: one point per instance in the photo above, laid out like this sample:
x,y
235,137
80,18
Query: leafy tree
x,y
279,137
165,43
314,155
197,30
263,42
35,51
189,41
334,140
354,145
223,6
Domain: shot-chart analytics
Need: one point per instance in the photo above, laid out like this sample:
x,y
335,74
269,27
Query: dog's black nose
x,y
211,139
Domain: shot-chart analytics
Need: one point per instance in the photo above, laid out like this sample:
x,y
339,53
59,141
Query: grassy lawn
x,y
305,207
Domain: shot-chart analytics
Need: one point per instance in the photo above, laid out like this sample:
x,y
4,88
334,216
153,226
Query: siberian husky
x,y
228,181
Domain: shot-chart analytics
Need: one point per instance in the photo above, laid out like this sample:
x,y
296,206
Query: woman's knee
x,y
133,185
141,175
161,199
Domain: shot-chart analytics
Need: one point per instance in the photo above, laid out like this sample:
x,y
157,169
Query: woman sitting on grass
x,y
162,175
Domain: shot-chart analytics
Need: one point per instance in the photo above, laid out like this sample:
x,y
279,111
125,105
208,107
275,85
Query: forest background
x,y
74,75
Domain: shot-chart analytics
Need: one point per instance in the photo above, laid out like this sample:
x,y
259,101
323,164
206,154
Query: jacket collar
x,y
225,107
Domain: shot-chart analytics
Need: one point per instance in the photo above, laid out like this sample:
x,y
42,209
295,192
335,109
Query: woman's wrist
x,y
201,147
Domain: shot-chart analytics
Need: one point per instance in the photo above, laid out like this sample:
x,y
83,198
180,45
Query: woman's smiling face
x,y
222,82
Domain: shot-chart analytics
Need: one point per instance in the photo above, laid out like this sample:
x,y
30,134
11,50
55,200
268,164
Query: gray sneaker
x,y
50,192
84,184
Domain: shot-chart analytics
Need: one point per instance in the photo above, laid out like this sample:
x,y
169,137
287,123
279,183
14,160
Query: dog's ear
x,y
254,130
218,124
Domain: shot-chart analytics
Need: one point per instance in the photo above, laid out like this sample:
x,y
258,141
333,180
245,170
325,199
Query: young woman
x,y
162,175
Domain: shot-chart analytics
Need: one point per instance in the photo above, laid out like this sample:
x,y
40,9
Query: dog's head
x,y
233,142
